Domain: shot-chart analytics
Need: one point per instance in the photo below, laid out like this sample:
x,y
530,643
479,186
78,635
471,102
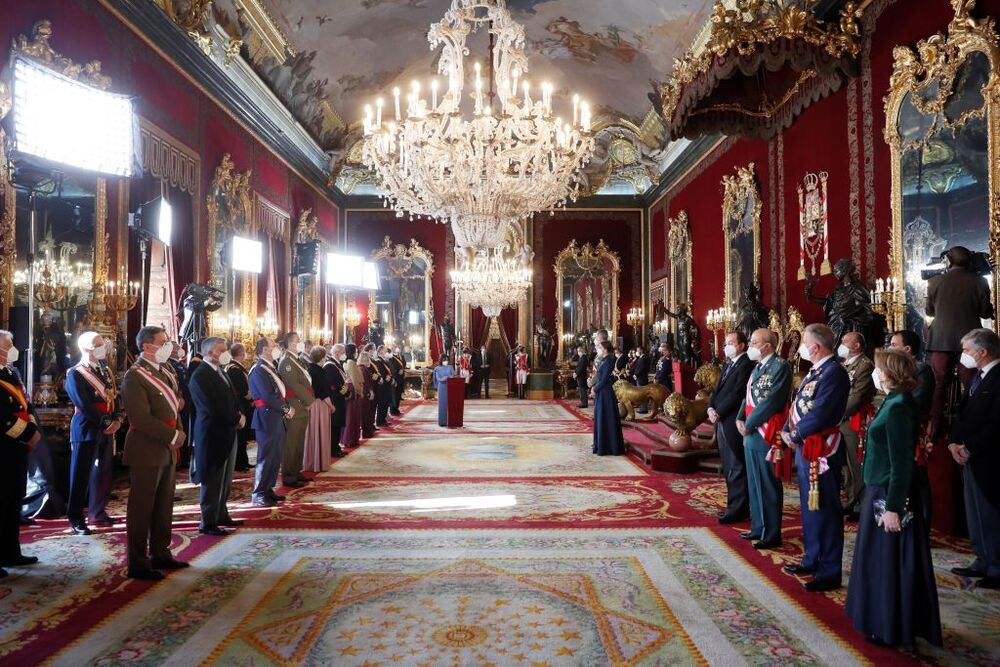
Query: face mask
x,y
753,353
99,352
164,352
843,352
341,357
804,352
445,363
300,347
877,380
225,358
729,351
12,356
966,360
275,353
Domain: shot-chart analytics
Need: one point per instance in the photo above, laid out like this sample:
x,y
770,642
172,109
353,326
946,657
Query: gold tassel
x,y
813,496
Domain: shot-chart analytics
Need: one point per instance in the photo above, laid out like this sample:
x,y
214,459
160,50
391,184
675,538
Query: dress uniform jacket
x,y
17,427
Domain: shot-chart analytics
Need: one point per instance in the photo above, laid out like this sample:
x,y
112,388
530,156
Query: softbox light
x,y
154,219
247,255
344,270
69,123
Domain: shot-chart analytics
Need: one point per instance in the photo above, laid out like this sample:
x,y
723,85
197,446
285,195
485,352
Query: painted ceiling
x,y
346,52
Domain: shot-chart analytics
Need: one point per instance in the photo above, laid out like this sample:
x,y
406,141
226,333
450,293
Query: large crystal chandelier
x,y
494,278
483,162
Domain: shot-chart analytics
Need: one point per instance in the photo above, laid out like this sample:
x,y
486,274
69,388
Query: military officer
x,y
762,415
20,434
299,393
271,410
813,431
336,377
664,368
384,387
857,415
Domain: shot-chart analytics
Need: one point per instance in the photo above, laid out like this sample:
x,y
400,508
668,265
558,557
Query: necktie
x,y
976,381
225,378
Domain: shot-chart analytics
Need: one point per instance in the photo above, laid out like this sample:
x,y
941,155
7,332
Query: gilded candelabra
x,y
267,326
719,320
889,299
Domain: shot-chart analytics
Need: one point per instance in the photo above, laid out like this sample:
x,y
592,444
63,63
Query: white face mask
x,y
99,352
225,358
804,352
300,347
164,352
445,363
275,353
754,353
729,350
12,356
966,360
877,381
342,357
843,352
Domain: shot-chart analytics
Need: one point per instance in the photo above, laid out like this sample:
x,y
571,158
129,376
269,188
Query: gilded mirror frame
x,y
234,187
587,252
679,255
390,250
736,190
937,60
307,231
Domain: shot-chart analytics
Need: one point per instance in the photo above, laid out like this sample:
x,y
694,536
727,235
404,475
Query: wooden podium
x,y
455,401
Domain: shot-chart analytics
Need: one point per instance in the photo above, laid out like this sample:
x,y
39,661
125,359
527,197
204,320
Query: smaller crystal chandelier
x,y
493,279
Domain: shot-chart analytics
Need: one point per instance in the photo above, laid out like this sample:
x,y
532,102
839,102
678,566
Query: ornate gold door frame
x,y
583,256
230,212
397,251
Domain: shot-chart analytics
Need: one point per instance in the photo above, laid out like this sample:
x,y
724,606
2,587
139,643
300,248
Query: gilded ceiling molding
x,y
271,219
264,39
38,49
195,17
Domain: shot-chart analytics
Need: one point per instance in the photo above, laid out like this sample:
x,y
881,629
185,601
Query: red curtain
x,y
508,329
479,328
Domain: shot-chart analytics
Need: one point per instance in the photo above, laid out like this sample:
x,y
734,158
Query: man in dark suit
x,y
384,384
974,447
956,299
19,433
664,373
239,379
219,418
271,411
582,373
476,365
179,370
92,432
333,368
640,373
723,410
813,431
399,375
621,363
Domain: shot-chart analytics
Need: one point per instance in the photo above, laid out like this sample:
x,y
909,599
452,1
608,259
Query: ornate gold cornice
x,y
271,219
38,49
265,38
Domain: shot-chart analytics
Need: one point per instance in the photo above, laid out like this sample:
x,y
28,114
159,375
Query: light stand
x,y
143,256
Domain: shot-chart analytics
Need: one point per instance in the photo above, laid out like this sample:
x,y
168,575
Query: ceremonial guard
x,y
271,410
763,413
384,388
336,378
465,369
723,411
582,374
398,367
813,430
858,413
664,374
521,372
152,405
299,394
92,429
238,377
20,434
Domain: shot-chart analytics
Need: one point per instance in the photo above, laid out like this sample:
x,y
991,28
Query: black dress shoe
x,y
294,485
266,502
749,536
773,544
968,572
106,522
822,585
28,521
145,575
875,640
213,530
993,583
20,561
232,523
796,569
724,519
80,528
339,454
277,496
172,564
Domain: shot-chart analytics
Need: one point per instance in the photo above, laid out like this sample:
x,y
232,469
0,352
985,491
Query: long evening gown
x,y
608,438
350,436
367,404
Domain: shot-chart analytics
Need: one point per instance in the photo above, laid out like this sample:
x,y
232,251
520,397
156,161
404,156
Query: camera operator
x,y
956,299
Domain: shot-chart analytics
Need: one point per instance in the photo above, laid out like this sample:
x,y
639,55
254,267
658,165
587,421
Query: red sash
x,y
274,376
815,449
164,388
770,431
87,373
859,424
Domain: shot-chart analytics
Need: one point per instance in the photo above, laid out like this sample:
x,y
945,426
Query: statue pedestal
x,y
684,380
541,385
665,460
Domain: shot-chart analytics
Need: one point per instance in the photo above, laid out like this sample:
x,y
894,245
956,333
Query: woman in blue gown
x,y
608,438
441,375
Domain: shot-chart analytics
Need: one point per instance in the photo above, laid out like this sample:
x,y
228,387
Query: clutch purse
x,y
904,519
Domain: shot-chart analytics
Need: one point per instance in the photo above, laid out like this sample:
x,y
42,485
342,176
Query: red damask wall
x,y
85,30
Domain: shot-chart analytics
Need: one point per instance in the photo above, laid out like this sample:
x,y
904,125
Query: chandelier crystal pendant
x,y
483,161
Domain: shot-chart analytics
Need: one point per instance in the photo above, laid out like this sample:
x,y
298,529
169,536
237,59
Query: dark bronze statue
x,y
376,333
848,306
447,335
197,300
544,343
687,348
752,314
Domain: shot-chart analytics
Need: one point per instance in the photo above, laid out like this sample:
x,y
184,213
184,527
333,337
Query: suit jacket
x,y
731,391
153,423
320,385
976,426
923,393
92,413
298,384
17,422
956,300
238,377
582,369
665,372
336,379
218,417
640,372
820,401
770,385
862,386
269,405
620,363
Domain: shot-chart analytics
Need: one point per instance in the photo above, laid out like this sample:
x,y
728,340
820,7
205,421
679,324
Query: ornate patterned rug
x,y
652,597
494,410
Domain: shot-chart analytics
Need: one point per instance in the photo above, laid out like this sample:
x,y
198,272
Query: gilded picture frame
x,y
741,215
574,255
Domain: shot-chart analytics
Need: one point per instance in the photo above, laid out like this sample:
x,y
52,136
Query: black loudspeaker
x,y
306,259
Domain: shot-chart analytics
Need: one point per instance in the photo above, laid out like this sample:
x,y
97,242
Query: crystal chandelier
x,y
493,279
510,159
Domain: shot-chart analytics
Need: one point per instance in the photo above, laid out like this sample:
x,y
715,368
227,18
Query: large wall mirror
x,y
741,208
586,294
308,288
942,128
229,217
679,258
403,305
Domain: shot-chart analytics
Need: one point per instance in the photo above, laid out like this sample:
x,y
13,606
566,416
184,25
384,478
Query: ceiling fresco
x,y
346,52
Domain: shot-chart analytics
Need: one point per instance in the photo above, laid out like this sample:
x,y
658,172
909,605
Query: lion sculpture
x,y
684,414
629,396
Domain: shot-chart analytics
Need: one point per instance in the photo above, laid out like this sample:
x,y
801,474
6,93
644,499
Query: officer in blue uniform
x,y
271,410
813,431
